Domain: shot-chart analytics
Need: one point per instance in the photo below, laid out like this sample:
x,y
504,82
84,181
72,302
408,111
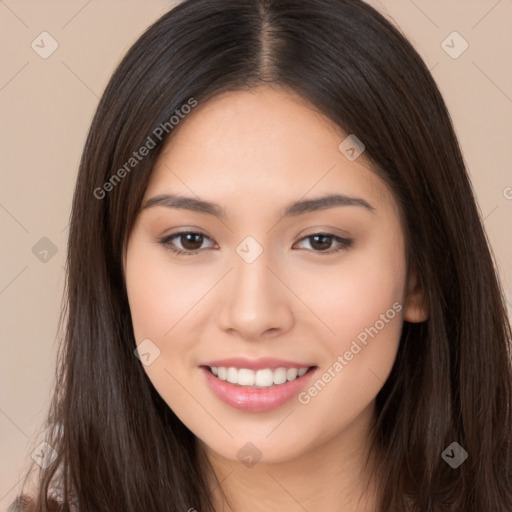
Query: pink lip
x,y
253,399
256,364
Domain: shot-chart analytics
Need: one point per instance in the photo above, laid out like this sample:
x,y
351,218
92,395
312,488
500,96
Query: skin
x,y
254,152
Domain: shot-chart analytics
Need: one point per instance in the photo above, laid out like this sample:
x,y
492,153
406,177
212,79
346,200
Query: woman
x,y
280,294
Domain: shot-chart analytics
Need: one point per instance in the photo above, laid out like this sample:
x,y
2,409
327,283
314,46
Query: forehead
x,y
260,144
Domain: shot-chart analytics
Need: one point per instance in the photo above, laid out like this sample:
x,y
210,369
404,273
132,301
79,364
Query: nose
x,y
256,304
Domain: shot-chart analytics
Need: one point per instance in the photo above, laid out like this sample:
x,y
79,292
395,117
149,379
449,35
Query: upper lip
x,y
256,364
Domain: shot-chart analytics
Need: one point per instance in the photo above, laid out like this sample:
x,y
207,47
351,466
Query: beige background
x,y
47,105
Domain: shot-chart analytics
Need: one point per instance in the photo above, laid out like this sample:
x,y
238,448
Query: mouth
x,y
257,390
258,379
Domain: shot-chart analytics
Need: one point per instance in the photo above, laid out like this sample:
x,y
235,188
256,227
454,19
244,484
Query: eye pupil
x,y
325,242
189,243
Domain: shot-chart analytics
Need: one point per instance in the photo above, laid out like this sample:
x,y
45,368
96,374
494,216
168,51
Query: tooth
x,y
280,376
264,378
246,377
232,375
291,373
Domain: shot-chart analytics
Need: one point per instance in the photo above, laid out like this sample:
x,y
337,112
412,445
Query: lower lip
x,y
253,399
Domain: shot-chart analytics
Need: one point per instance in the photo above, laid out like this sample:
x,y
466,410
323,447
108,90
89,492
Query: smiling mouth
x,y
262,378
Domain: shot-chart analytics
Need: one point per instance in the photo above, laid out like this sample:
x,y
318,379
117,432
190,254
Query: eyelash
x,y
345,243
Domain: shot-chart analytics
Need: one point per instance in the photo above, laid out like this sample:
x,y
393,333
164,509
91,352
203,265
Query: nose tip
x,y
254,303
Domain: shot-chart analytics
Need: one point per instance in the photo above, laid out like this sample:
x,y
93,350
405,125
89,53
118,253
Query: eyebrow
x,y
297,208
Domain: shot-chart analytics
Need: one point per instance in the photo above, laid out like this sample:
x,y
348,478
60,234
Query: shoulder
x,y
22,503
27,499
26,503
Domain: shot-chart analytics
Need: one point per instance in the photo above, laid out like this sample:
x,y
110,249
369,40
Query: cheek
x,y
169,303
361,304
160,293
352,295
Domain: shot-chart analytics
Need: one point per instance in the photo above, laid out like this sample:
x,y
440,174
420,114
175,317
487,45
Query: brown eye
x,y
322,242
189,242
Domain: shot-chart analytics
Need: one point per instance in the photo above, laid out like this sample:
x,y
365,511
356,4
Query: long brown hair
x,y
120,447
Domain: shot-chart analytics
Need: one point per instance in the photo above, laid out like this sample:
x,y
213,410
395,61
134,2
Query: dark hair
x,y
120,446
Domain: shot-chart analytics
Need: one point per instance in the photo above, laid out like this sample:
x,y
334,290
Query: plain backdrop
x,y
47,103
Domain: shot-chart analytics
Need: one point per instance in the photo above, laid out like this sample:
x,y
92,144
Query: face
x,y
276,288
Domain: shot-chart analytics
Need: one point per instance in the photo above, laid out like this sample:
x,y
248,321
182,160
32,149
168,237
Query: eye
x,y
190,242
322,242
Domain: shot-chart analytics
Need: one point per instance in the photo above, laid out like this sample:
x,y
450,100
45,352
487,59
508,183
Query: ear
x,y
416,304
